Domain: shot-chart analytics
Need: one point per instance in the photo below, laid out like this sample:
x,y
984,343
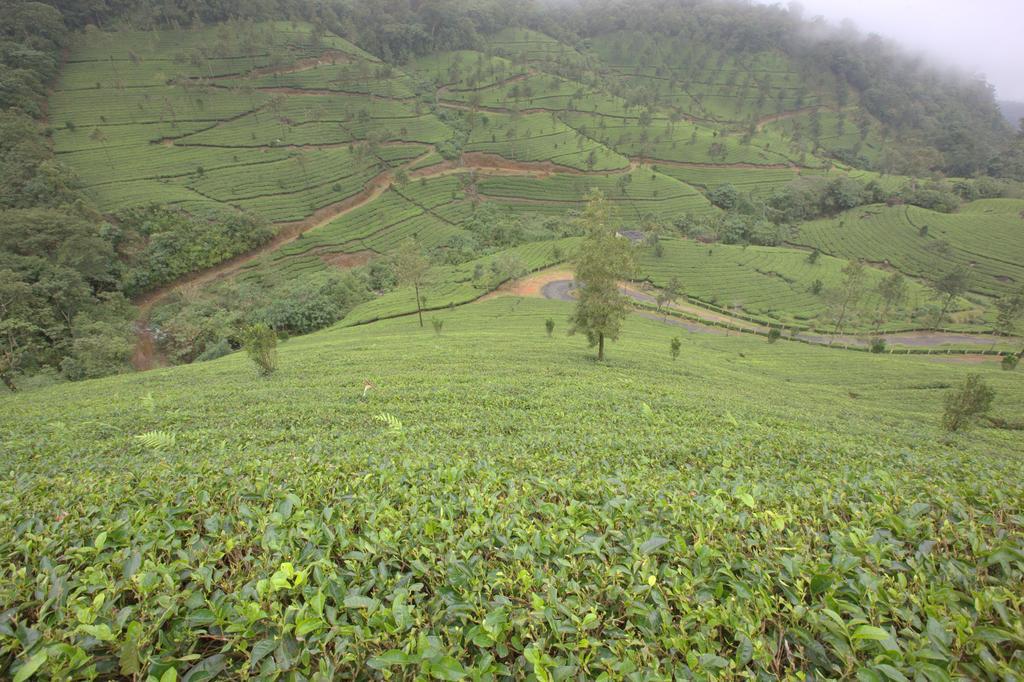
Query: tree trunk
x,y
945,309
419,311
600,346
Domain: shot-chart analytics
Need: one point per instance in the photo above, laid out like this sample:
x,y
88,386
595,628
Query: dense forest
x,y
69,270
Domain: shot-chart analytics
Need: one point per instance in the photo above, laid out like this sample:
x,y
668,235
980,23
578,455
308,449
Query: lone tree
x,y
411,268
952,284
603,259
670,294
971,400
849,294
1009,309
893,292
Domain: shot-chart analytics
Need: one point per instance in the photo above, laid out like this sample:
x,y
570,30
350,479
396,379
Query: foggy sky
x,y
978,36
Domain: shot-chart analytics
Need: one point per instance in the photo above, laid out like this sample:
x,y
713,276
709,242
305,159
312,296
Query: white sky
x,y
981,36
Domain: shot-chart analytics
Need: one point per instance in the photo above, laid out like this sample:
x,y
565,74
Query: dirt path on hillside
x,y
484,164
765,120
445,89
288,232
554,285
694,164
531,286
328,58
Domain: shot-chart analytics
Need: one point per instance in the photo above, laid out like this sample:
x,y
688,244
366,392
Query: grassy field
x,y
749,510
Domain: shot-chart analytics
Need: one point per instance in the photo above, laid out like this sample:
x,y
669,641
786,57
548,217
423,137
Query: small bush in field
x,y
260,343
964,404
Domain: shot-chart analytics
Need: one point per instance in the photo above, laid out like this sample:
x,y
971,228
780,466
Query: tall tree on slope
x,y
603,259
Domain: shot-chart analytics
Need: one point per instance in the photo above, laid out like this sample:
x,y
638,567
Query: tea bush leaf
x,y
30,667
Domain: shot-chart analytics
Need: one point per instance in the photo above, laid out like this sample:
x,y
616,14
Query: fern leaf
x,y
156,440
393,423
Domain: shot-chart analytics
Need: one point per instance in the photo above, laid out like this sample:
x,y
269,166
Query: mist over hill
x,y
1013,112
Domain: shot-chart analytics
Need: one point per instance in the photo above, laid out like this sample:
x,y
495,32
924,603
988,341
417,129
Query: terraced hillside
x,y
347,156
500,505
984,237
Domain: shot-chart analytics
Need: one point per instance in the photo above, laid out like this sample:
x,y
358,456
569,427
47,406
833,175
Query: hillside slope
x,y
500,504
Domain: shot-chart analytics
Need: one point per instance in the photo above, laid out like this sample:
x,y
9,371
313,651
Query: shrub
x,y
1009,362
437,323
674,347
774,334
878,345
971,400
260,343
817,286
724,196
550,326
215,350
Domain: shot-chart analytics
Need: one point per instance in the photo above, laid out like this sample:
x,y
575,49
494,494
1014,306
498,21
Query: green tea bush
x,y
877,345
968,402
482,521
260,343
1010,362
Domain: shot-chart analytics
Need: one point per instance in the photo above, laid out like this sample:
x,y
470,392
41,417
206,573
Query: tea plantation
x,y
347,155
746,511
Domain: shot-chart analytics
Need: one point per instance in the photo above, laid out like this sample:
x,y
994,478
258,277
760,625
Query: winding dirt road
x,y
561,289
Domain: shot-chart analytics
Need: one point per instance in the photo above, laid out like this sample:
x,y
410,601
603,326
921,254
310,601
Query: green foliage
x,y
948,287
411,269
260,344
215,350
508,518
59,304
877,345
674,346
160,245
774,334
312,303
438,324
1009,311
603,258
1010,362
981,237
966,403
724,196
549,325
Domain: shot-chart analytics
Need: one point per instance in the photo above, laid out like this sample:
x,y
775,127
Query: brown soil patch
x,y
345,261
531,285
146,355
